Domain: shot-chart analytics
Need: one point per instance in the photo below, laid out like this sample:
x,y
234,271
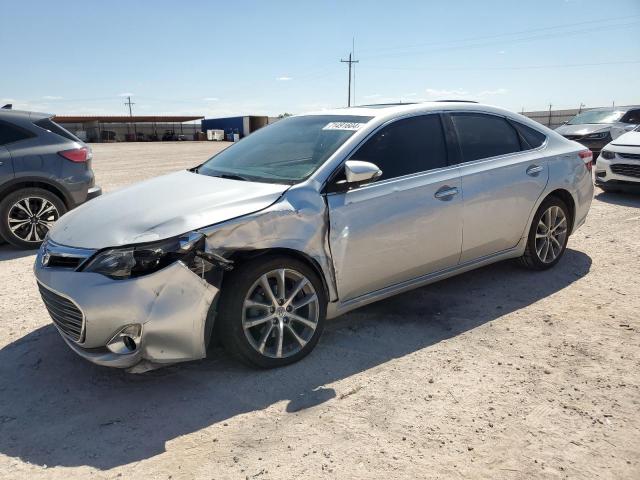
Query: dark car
x,y
597,127
45,171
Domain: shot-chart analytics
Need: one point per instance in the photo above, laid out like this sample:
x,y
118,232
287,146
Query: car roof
x,y
612,109
385,112
7,114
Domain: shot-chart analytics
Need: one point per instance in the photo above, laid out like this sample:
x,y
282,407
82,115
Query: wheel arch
x,y
569,201
22,183
241,256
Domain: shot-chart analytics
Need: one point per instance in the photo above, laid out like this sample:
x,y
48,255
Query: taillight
x,y
587,156
78,155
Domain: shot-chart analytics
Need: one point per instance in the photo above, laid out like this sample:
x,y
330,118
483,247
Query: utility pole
x,y
350,62
549,121
581,105
130,103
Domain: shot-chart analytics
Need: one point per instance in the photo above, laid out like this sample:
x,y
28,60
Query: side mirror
x,y
630,128
357,172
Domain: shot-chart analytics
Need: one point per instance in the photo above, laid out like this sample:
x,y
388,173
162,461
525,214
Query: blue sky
x,y
268,57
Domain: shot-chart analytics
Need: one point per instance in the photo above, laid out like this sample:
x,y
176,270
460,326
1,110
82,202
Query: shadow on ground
x,y
626,199
56,409
9,252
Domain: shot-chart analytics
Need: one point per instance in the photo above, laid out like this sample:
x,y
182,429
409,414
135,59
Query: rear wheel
x,y
548,236
272,311
27,215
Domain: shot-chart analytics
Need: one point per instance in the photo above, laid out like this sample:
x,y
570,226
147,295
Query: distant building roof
x,y
125,118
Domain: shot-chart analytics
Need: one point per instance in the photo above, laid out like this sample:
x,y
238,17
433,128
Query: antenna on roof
x,y
8,106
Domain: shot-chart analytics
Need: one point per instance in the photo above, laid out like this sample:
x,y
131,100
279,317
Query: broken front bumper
x,y
171,307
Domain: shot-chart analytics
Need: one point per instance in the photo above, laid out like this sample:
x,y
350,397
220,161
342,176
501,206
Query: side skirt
x,y
338,308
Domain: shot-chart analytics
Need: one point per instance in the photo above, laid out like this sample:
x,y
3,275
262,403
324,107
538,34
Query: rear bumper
x,y
94,192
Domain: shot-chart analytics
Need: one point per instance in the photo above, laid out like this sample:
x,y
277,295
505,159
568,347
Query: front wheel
x,y
548,236
272,311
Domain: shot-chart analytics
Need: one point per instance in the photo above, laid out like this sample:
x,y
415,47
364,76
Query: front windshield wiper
x,y
232,177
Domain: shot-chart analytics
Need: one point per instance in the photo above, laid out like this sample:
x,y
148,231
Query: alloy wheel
x,y
31,218
551,234
280,313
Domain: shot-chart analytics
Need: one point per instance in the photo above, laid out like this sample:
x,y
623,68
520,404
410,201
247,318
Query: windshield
x,y
597,116
287,151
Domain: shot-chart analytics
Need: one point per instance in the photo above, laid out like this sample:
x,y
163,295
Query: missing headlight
x,y
135,261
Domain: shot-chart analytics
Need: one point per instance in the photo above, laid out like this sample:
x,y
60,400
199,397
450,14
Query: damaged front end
x,y
140,306
150,304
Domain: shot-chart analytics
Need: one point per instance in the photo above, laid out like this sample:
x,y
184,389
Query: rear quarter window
x,y
53,127
532,137
10,133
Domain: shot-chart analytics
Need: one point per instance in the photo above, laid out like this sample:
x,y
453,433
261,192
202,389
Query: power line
x,y
508,34
518,67
350,62
448,46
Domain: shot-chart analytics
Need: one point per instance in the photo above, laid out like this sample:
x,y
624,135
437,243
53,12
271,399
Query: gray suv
x,y
44,172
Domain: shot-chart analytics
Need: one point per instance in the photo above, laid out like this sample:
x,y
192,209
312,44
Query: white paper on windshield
x,y
350,126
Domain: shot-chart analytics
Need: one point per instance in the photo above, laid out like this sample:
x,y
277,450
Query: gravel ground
x,y
498,373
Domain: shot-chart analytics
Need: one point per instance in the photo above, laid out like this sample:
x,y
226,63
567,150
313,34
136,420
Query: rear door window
x,y
484,136
407,146
11,134
53,127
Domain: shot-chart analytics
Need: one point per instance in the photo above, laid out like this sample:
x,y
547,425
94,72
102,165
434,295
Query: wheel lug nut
x,y
289,308
281,301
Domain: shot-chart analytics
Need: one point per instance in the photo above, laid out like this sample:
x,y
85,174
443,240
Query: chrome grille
x,y
64,313
631,156
626,170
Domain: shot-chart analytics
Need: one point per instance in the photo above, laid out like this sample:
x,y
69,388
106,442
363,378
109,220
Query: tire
x,y
235,318
24,205
534,257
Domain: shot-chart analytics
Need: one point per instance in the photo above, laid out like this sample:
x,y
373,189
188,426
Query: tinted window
x,y
53,127
532,137
632,116
407,146
484,136
10,134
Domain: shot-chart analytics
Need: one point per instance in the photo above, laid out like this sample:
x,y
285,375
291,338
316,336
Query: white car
x,y
618,165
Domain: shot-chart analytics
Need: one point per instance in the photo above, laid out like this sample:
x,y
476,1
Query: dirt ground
x,y
499,373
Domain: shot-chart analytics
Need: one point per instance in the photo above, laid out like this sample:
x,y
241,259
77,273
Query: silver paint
x,y
367,243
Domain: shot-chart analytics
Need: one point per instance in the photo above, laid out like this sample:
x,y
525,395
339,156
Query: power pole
x,y
350,62
549,121
581,106
130,103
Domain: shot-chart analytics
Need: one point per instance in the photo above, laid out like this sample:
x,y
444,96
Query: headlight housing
x,y
607,154
596,136
143,259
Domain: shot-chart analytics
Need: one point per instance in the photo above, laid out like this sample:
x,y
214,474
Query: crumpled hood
x,y
583,129
628,139
161,208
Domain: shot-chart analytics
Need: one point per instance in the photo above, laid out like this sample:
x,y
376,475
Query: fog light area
x,y
127,340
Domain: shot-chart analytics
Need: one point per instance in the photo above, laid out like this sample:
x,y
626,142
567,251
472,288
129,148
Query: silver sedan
x,y
302,221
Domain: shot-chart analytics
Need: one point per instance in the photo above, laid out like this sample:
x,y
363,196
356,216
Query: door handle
x,y
534,170
446,193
